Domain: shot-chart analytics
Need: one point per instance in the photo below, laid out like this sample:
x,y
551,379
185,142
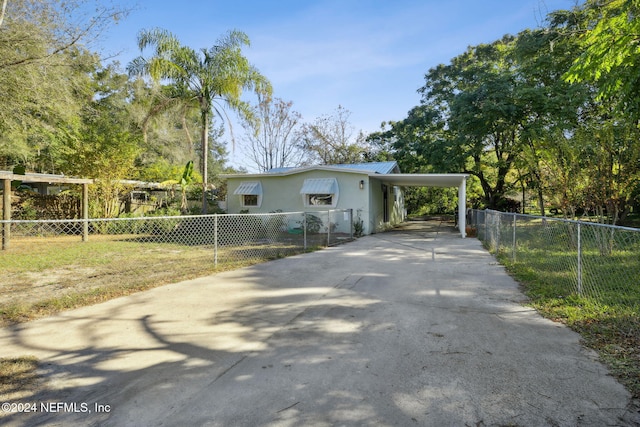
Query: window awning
x,y
249,188
320,186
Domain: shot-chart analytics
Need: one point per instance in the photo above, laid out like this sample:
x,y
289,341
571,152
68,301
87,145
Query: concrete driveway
x,y
411,327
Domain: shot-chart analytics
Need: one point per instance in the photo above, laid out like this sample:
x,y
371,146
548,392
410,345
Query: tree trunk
x,y
205,158
541,201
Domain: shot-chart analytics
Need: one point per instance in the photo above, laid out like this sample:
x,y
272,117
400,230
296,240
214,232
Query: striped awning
x,y
249,188
319,186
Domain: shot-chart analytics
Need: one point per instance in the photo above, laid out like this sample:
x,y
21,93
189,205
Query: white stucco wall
x,y
283,193
395,205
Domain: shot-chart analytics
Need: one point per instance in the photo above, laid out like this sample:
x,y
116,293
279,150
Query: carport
x,y
6,178
458,180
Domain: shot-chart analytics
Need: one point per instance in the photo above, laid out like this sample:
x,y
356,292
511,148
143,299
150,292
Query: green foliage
x,y
313,223
102,143
202,79
609,50
503,113
44,73
429,200
358,227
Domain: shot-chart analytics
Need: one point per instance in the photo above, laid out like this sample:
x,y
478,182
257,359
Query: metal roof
x,y
375,167
387,171
319,186
249,188
371,167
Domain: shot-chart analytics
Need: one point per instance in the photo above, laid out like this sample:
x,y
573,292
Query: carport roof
x,y
43,177
424,179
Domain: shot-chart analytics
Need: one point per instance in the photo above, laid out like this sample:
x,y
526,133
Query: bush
x,y
314,223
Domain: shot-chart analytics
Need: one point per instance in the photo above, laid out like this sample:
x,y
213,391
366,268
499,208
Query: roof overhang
x,y
423,180
400,179
43,177
297,171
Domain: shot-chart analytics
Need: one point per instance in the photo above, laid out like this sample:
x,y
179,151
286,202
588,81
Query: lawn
x,y
604,306
44,275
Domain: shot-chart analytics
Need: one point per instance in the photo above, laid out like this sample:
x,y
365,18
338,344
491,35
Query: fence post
x,y
215,240
579,260
485,225
513,252
329,228
6,213
304,229
499,223
85,212
351,224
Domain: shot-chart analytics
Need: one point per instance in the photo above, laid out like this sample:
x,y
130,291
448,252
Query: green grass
x,y
605,310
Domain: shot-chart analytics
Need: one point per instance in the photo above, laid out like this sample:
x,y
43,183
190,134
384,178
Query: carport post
x,y
462,207
6,213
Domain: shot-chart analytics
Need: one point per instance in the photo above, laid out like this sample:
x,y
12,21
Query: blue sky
x,y
369,56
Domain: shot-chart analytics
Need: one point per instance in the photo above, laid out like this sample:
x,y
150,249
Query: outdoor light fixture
x,y
361,184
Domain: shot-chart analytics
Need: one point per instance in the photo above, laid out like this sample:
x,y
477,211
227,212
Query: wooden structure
x,y
7,177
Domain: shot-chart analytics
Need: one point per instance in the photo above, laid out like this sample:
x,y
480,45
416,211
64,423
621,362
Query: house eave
x,y
298,171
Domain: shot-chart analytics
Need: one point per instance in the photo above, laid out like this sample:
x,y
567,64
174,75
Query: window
x,y
249,200
250,193
320,192
319,199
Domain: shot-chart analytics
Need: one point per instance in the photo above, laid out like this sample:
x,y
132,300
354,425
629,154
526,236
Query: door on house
x,y
385,204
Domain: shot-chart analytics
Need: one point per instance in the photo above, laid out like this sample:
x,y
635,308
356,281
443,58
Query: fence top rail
x,y
145,218
573,221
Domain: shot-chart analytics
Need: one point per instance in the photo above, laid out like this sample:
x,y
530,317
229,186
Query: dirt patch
x,y
51,283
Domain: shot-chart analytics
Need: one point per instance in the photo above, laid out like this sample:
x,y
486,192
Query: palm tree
x,y
207,78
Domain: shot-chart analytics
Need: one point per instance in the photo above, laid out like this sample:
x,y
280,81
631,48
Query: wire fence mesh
x,y
51,258
596,261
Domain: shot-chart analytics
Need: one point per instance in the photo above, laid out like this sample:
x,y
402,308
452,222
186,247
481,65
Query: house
x,y
373,190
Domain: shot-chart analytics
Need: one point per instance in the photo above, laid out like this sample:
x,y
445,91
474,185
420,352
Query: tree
x,y
551,108
44,69
329,139
186,180
273,138
59,24
167,122
102,143
477,97
609,33
207,77
417,143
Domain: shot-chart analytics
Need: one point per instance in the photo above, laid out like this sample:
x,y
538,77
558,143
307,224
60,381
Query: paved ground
x,y
413,327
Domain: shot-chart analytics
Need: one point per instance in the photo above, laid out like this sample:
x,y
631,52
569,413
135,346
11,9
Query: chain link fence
x,y
53,258
592,260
